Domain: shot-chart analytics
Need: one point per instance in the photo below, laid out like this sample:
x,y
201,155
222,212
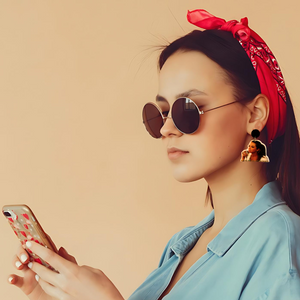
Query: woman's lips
x,y
174,153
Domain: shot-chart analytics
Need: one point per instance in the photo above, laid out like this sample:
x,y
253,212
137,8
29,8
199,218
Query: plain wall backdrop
x,y
74,76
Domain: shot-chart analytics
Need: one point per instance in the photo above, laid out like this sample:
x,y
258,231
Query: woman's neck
x,y
233,188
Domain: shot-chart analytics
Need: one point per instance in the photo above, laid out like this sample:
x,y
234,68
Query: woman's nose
x,y
169,128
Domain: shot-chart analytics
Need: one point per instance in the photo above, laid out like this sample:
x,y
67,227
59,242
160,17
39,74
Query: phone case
x,y
27,228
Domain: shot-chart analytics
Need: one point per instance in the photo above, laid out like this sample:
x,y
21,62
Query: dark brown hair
x,y
284,152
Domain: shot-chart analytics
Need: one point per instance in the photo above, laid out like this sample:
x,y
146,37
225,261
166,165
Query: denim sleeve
x,y
285,288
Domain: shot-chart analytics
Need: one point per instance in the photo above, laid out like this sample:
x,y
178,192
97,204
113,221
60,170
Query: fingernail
x,y
30,265
37,277
28,244
23,258
10,279
18,264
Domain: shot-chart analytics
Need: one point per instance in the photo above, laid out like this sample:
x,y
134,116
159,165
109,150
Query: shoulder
x,y
279,237
280,221
282,217
291,223
274,255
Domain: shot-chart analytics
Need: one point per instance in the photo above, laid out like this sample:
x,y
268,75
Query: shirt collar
x,y
267,197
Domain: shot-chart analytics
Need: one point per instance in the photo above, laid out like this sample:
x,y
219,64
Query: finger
x,y
15,280
51,290
17,264
56,261
45,273
23,255
63,253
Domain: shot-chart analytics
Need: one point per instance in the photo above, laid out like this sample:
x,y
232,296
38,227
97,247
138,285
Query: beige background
x,y
74,77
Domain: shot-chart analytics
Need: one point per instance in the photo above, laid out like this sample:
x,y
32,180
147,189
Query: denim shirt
x,y
256,256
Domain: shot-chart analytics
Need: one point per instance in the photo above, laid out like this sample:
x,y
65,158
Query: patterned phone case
x,y
27,228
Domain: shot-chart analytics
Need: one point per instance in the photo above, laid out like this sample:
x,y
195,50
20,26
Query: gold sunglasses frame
x,y
201,112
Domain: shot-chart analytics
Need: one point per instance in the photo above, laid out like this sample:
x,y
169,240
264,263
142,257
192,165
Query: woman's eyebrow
x,y
188,93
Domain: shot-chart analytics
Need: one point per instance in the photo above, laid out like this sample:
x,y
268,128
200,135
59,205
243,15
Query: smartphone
x,y
27,228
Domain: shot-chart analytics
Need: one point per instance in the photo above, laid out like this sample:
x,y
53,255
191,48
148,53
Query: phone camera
x,y
7,214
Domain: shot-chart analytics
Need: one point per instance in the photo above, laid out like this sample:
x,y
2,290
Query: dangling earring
x,y
246,156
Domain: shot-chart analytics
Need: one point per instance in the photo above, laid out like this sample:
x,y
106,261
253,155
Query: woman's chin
x,y
186,176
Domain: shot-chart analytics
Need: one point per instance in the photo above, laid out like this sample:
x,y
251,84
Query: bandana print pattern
x,y
255,48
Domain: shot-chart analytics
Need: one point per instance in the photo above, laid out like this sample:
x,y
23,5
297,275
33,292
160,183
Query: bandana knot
x,y
204,19
238,29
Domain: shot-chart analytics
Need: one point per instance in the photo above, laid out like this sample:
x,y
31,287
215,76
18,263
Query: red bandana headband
x,y
264,62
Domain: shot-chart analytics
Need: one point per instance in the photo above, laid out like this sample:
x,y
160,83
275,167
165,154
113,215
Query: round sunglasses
x,y
185,115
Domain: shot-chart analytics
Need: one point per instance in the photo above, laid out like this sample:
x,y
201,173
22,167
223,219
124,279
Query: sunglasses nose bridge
x,y
168,127
167,117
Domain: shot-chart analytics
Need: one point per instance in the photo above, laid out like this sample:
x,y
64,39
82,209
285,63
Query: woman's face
x,y
221,135
252,148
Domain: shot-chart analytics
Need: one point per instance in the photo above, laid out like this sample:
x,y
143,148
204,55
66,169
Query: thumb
x,y
63,253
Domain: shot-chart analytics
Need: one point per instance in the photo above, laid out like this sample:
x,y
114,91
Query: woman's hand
x,y
243,155
28,283
73,282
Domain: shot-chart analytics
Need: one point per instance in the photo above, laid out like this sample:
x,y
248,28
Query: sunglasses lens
x,y
185,115
153,120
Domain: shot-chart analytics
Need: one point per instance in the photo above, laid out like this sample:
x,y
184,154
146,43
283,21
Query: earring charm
x,y
257,150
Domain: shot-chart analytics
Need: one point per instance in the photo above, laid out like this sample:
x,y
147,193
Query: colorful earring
x,y
257,150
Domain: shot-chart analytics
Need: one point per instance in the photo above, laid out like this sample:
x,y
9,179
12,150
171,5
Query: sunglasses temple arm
x,y
219,106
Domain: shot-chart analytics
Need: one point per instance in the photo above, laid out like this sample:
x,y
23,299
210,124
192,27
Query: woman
x,y
256,152
246,247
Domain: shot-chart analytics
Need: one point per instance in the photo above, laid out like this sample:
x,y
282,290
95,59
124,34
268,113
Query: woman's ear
x,y
258,113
